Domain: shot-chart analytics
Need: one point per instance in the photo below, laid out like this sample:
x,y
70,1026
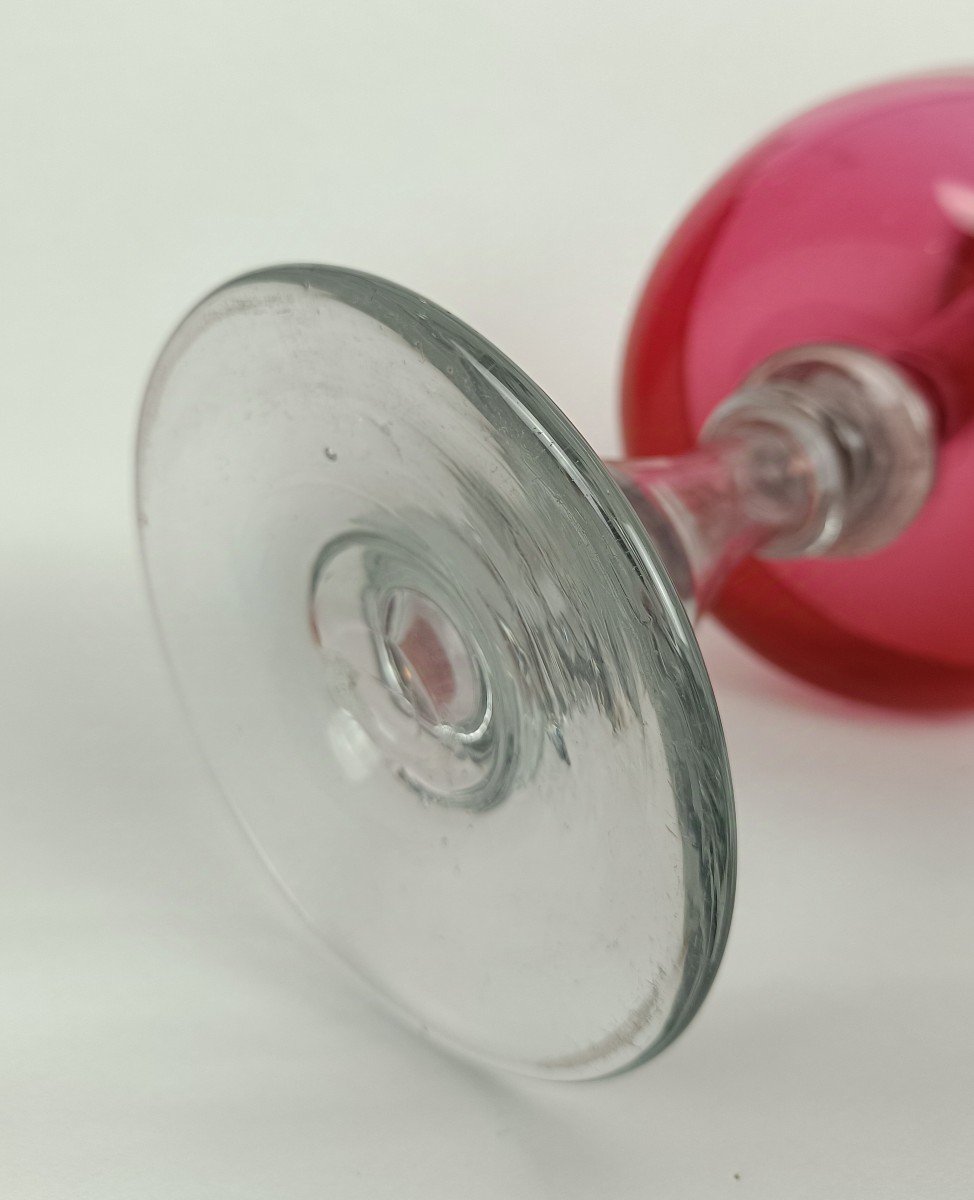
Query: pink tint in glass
x,y
853,224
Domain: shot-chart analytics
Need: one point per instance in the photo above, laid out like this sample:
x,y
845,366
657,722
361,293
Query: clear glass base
x,y
438,668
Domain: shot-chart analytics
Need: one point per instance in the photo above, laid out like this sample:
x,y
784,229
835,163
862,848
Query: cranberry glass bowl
x,y
853,224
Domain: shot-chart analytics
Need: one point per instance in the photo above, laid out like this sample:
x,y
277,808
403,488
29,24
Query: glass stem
x,y
825,450
707,510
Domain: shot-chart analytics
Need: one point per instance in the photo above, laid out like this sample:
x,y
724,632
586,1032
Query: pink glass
x,y
852,224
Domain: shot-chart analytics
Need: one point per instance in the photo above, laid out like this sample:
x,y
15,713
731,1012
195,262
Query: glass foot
x,y
438,668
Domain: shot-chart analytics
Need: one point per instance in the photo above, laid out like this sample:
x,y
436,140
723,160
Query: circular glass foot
x,y
438,669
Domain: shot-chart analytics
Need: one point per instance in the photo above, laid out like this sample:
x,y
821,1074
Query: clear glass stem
x,y
707,510
826,450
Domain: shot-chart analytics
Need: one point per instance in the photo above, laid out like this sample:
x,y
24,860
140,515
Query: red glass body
x,y
853,223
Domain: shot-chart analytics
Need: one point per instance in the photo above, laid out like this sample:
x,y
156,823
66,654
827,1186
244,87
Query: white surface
x,y
165,1028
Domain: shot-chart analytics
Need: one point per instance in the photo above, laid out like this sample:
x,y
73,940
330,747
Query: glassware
x,y
440,656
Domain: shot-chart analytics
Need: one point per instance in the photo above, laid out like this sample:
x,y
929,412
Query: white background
x,y
166,1030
